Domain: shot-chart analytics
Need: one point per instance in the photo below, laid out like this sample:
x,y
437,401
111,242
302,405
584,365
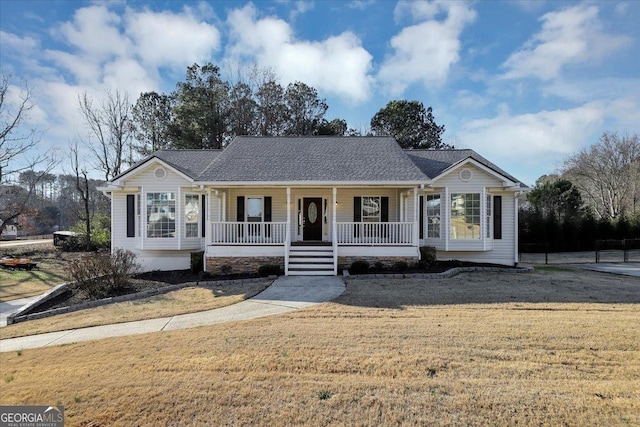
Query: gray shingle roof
x,y
317,159
434,162
189,162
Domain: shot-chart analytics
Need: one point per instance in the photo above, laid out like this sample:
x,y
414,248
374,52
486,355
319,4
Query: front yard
x,y
541,348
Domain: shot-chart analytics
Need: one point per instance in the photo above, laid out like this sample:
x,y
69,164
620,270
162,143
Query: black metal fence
x,y
609,250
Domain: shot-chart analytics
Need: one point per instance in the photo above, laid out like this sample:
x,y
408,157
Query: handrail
x,y
255,233
374,233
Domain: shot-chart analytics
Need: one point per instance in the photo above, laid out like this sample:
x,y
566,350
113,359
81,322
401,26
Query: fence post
x,y
546,253
625,258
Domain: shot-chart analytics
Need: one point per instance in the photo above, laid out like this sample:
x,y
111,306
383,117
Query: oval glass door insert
x,y
313,212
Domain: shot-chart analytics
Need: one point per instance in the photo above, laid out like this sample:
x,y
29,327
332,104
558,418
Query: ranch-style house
x,y
313,205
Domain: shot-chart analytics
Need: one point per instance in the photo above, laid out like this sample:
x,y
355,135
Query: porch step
x,y
311,260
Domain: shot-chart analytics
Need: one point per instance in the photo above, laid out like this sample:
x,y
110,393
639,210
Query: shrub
x,y
100,275
377,267
119,267
226,269
359,266
197,260
400,266
427,256
85,271
269,270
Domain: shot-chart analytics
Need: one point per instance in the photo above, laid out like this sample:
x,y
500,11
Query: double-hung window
x,y
433,216
192,215
371,208
161,215
465,216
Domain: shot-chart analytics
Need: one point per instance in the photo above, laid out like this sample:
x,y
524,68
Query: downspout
x,y
334,232
416,225
515,237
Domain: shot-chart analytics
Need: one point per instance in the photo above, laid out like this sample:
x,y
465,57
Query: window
x,y
489,221
433,216
161,214
192,215
465,216
254,209
371,209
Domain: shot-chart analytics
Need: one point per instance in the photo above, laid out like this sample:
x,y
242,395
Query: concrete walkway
x,y
285,294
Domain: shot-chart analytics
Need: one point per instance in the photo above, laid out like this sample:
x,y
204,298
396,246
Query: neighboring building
x,y
9,232
313,205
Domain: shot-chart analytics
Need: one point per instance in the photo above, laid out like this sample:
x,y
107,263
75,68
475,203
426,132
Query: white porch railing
x,y
256,233
374,233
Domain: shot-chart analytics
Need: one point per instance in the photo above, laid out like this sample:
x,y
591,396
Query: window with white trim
x,y
192,215
489,216
254,209
161,215
433,216
465,216
371,208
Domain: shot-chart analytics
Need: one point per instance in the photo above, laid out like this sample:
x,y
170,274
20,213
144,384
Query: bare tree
x,y
18,152
608,174
82,188
109,131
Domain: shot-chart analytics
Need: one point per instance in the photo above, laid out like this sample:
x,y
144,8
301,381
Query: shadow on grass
x,y
572,286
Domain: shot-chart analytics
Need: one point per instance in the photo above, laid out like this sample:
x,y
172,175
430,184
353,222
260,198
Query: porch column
x,y
515,222
287,233
224,207
416,222
402,218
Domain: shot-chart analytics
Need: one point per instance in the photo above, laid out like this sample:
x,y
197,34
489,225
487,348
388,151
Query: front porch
x,y
313,230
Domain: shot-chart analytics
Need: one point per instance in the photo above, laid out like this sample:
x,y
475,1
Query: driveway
x,y
10,307
287,293
13,243
626,269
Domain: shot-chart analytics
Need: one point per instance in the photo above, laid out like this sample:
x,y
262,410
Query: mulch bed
x,y
141,282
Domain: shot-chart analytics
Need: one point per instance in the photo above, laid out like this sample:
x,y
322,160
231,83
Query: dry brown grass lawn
x,y
51,271
187,300
543,348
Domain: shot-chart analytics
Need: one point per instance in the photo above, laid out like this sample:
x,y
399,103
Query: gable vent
x,y
465,174
160,172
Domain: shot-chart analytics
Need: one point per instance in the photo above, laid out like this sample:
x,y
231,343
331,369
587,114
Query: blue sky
x,y
524,83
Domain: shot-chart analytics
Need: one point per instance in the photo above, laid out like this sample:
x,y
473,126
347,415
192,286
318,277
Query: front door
x,y
312,211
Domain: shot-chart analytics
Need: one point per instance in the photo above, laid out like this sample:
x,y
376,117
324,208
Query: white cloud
x,y
95,32
338,65
570,36
536,141
425,52
168,39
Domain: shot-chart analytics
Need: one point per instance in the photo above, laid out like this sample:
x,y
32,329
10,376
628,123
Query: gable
x,y
469,175
155,174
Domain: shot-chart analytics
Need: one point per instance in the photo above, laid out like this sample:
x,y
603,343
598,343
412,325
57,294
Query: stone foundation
x,y
216,265
345,262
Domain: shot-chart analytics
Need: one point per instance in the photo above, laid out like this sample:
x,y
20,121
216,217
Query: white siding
x,y
501,251
154,253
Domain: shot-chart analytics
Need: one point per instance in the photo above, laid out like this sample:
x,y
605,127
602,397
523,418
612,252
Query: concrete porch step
x,y
309,266
310,273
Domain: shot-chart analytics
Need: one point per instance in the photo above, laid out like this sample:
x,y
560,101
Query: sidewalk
x,y
287,293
